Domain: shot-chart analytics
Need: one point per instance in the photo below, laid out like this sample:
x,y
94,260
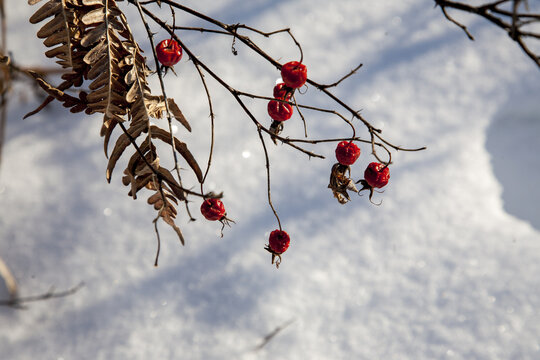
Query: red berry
x,y
294,74
169,52
213,209
347,153
282,91
377,175
279,241
279,111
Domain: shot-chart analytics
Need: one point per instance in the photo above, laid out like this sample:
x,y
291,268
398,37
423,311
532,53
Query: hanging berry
x,y
294,74
278,243
279,111
347,152
169,52
213,209
283,92
377,175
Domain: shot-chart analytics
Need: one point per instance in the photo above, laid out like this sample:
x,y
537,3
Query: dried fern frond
x,y
162,201
61,30
93,40
63,35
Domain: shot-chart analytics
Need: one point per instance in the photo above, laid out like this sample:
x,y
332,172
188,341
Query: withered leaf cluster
x,y
92,41
341,183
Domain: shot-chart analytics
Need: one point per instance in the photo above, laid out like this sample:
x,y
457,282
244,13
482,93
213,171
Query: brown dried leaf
x,y
173,184
93,36
50,8
122,143
175,111
93,2
67,100
59,30
167,211
180,146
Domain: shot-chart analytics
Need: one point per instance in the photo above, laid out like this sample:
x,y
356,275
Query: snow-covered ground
x,y
446,268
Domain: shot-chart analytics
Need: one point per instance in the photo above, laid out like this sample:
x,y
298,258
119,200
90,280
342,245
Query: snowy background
x,y
446,268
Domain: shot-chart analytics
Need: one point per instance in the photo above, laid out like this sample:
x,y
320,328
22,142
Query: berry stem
x,y
158,243
301,116
173,14
268,176
212,126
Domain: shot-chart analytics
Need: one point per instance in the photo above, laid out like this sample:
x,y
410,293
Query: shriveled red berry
x,y
169,52
294,74
279,241
279,111
377,175
282,91
213,209
347,153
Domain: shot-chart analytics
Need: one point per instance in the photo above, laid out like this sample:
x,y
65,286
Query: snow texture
x,y
446,268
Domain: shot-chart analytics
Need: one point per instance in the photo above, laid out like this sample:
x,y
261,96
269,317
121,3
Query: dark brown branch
x,y
18,302
201,29
272,335
511,21
451,19
301,106
247,41
235,93
301,116
158,240
352,72
212,121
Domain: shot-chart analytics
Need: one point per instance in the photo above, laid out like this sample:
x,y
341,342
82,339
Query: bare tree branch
x,y
512,21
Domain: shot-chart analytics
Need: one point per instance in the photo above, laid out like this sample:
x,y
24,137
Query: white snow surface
x,y
446,268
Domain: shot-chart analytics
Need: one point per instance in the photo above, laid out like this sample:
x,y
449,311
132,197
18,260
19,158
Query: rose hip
x,y
294,74
169,52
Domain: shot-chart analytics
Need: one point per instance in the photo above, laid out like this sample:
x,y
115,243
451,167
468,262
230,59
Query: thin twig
x,y
273,334
19,302
267,160
235,93
511,21
247,41
212,123
352,72
463,27
158,240
301,116
168,111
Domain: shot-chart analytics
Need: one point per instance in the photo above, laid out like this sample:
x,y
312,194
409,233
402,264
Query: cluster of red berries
x,y
169,52
294,76
376,174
